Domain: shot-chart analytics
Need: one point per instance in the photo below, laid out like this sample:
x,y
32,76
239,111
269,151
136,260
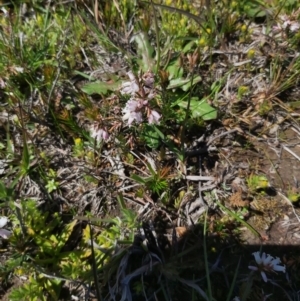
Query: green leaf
x,y
200,108
204,110
256,13
3,191
256,9
138,179
151,136
84,75
183,83
25,165
177,82
152,171
159,133
188,47
121,201
189,84
234,215
100,87
46,246
175,70
129,217
145,51
53,287
52,185
170,144
66,233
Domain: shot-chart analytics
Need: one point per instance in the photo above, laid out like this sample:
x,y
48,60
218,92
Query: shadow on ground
x,y
152,269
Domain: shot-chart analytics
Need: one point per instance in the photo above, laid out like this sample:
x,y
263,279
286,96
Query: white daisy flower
x,y
266,263
3,232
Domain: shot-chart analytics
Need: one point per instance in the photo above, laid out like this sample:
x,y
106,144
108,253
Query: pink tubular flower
x,y
130,87
142,91
132,111
294,26
3,232
291,25
153,117
148,79
99,133
266,263
2,83
288,22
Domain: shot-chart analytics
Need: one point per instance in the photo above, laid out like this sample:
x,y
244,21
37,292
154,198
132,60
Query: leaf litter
x,y
254,131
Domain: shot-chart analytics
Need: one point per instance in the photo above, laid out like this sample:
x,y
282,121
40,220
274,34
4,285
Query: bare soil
x,y
276,219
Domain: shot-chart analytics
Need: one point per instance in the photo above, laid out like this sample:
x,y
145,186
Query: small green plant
x,y
257,182
243,90
157,182
150,135
39,239
35,289
103,86
52,184
78,148
293,195
265,107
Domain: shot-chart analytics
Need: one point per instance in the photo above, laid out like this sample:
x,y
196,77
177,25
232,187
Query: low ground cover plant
x,y
149,150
